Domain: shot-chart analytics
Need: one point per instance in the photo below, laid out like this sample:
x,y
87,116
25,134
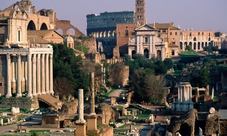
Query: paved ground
x,y
116,93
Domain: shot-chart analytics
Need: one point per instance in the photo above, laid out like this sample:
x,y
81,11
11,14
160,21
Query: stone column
x,y
38,75
19,94
43,74
29,74
137,45
51,74
141,45
34,75
13,70
81,123
9,93
92,93
26,73
47,74
81,106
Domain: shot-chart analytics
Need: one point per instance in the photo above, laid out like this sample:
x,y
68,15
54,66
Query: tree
x,y
200,78
147,87
168,63
188,48
63,87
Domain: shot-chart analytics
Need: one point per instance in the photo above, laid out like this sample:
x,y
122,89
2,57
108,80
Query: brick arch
x,y
31,25
43,26
65,25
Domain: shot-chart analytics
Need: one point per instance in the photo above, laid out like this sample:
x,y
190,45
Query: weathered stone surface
x,y
211,125
70,107
107,112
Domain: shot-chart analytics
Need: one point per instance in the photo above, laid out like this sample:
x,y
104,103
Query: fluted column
x,y
29,74
19,94
38,74
34,74
47,74
9,93
51,74
43,74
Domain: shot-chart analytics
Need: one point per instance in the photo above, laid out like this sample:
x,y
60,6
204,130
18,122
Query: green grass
x,y
140,116
188,53
177,73
38,131
215,98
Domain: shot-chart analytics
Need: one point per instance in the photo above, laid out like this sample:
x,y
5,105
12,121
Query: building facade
x,y
198,39
147,43
140,12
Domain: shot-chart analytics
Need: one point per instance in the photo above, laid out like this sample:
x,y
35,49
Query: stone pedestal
x,y
80,129
92,122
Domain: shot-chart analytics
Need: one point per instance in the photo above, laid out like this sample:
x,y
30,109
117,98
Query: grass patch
x,y
107,93
140,116
215,98
188,53
38,131
177,72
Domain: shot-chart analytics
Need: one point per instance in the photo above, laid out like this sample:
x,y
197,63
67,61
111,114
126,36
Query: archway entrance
x,y
146,53
31,26
43,26
185,130
159,54
133,54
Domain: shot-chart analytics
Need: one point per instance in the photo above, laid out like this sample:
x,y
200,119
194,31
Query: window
x,y
18,35
190,34
139,9
173,52
164,31
146,39
175,33
198,33
170,33
126,32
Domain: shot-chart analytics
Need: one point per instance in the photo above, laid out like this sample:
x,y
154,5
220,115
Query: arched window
x,y
126,32
43,26
31,26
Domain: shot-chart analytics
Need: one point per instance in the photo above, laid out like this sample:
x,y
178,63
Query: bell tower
x,y
140,12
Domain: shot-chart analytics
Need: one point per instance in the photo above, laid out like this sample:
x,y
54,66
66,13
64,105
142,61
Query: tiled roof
x,y
161,25
35,39
174,28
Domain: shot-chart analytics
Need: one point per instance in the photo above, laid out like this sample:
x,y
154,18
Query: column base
x,y
80,129
52,92
19,95
29,95
8,95
43,93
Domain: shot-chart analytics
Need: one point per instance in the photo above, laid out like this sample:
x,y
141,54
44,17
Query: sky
x,y
187,14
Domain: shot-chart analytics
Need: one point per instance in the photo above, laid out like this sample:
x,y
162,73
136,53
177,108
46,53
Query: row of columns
x,y
185,93
37,72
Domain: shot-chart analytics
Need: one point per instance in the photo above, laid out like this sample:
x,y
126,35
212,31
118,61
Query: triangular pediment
x,y
145,28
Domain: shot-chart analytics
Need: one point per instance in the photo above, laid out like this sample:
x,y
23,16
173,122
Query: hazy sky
x,y
195,14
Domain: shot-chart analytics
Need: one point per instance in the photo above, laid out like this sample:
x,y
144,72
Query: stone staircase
x,y
50,100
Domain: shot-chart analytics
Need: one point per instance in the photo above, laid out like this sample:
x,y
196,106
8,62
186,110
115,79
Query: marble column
x,y
81,107
51,74
34,74
13,69
29,74
38,75
43,74
9,93
19,94
47,74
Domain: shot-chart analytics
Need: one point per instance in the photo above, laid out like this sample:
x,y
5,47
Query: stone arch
x,y
133,54
71,31
109,34
15,6
31,25
159,54
190,44
100,34
104,34
60,31
146,53
114,33
205,44
194,47
181,45
185,44
199,46
43,27
42,13
202,44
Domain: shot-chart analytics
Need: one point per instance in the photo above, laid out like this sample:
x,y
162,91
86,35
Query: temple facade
x,y
25,68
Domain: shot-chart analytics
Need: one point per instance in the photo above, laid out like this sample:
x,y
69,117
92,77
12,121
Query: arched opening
x,y
43,26
198,45
181,45
16,6
126,32
133,54
100,34
59,30
31,26
42,13
109,34
202,44
194,39
71,31
159,53
146,53
104,34
205,44
194,46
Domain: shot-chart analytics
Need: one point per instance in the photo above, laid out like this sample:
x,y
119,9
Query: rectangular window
x,y
170,33
175,33
0,84
146,39
18,35
164,31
